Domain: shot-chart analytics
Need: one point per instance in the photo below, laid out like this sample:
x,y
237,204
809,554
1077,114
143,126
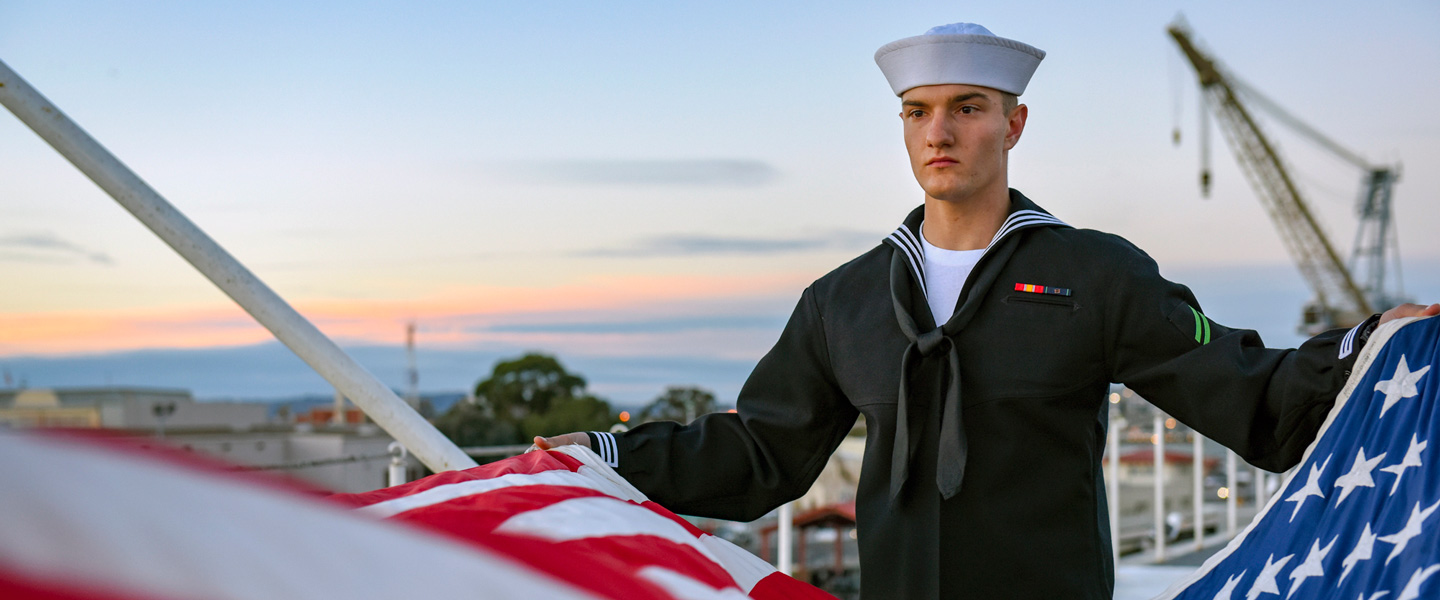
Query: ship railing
x,y
1154,528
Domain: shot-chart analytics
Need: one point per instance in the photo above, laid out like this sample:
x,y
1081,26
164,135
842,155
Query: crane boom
x,y
1339,302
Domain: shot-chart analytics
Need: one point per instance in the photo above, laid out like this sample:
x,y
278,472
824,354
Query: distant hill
x,y
440,401
269,372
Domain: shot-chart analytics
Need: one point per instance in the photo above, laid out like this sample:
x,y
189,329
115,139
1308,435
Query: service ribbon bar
x,y
1040,289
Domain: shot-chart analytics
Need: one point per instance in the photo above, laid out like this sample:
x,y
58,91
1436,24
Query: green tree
x,y
679,403
524,397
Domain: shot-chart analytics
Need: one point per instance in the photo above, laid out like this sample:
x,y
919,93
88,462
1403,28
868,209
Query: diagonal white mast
x,y
384,407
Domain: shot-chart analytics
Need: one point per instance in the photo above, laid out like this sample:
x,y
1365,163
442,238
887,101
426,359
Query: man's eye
x,y
915,114
967,109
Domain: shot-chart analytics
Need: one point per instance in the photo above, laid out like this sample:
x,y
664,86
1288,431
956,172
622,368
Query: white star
x,y
1412,528
1229,589
1412,459
1364,549
1412,587
1311,567
1265,582
1312,487
1400,385
1359,475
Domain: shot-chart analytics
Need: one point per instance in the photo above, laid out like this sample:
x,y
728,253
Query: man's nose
x,y
938,134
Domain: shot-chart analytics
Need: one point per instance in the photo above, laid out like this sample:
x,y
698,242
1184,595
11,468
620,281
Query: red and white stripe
x,y
570,500
78,517
81,520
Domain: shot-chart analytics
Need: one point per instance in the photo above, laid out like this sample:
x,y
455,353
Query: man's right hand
x,y
576,439
1409,310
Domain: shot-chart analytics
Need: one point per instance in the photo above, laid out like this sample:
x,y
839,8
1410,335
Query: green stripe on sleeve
x,y
1199,329
1207,329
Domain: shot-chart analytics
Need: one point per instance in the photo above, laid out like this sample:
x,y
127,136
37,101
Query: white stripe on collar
x,y
905,240
904,235
1022,218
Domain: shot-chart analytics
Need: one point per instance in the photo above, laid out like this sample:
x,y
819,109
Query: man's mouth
x,y
941,161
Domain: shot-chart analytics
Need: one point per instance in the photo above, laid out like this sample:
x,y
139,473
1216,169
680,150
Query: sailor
x,y
979,341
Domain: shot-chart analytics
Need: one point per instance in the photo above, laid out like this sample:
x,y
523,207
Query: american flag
x,y
1357,517
86,518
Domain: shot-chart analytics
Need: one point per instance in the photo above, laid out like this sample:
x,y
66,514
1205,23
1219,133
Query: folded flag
x,y
1357,517
85,518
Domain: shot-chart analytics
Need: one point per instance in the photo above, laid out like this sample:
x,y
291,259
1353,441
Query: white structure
x,y
121,407
350,459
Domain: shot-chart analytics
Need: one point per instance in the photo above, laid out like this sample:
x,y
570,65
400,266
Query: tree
x,y
679,403
470,424
524,397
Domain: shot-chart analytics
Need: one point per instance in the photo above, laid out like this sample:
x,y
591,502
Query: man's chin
x,y
954,193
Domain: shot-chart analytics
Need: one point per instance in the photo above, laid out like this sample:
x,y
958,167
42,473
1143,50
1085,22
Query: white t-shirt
x,y
945,274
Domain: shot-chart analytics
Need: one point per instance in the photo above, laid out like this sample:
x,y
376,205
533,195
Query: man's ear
x,y
1015,125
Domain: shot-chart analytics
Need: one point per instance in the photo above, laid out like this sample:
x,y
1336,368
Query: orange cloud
x,y
451,318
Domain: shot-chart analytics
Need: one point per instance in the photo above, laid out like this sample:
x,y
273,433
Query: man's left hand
x,y
1409,310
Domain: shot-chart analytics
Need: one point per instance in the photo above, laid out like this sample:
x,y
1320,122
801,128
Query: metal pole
x,y
785,526
1114,450
1232,497
102,167
1259,489
412,374
397,464
1159,487
1198,464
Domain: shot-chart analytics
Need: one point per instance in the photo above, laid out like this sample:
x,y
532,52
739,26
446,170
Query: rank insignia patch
x,y
1195,325
1041,289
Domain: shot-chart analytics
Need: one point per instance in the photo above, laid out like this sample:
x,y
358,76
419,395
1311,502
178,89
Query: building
x,y
115,407
350,457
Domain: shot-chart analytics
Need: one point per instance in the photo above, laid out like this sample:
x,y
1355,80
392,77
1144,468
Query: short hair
x,y
1009,101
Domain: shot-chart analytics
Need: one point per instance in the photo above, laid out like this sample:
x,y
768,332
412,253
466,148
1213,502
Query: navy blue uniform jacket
x,y
1030,520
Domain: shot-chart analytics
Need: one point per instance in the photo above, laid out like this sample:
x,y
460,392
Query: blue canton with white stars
x,y
1358,519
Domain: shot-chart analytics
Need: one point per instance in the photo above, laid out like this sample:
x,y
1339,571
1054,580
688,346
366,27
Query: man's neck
x,y
967,224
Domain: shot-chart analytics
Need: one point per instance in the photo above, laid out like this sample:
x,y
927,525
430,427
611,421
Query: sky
x,y
641,188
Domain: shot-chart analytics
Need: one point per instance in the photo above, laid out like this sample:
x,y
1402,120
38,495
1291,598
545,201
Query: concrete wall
x,y
293,448
138,413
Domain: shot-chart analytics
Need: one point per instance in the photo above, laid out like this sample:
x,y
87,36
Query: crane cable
x,y
1204,110
1177,74
1177,94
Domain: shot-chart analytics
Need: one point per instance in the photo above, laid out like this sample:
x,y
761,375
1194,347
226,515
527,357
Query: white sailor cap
x,y
958,53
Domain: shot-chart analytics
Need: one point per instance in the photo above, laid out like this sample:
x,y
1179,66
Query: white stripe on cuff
x,y
609,451
1347,345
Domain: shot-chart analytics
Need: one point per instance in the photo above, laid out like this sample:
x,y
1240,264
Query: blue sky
x,y
515,168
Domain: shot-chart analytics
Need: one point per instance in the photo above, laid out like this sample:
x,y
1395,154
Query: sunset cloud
x,y
47,247
617,314
716,245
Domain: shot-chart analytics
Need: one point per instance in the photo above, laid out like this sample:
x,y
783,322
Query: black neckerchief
x,y
907,264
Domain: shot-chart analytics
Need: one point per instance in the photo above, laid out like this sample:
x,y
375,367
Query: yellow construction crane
x,y
1340,299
